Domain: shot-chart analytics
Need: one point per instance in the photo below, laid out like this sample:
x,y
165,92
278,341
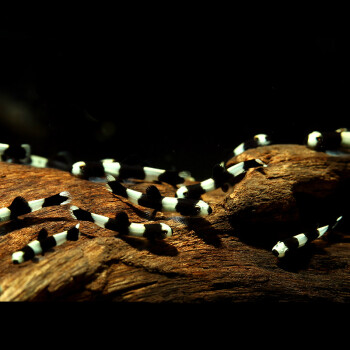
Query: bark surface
x,y
225,257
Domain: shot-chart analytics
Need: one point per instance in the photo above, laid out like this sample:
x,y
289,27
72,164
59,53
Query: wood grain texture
x,y
225,257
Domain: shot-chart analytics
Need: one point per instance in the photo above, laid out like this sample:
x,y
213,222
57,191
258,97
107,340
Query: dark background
x,y
182,96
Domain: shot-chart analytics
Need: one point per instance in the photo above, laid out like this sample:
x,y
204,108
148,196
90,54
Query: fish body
x,y
255,141
221,178
330,140
122,225
153,199
44,243
125,171
293,243
14,153
21,206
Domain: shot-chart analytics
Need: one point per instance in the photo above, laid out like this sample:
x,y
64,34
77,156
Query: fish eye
x,y
166,233
197,209
225,187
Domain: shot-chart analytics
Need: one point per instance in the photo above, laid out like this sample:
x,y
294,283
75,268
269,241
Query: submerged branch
x,y
224,257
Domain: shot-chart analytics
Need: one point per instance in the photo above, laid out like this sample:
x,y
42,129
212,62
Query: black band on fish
x,y
19,206
14,153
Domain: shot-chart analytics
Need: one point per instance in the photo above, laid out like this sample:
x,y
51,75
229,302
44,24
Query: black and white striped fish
x,y
293,243
122,224
21,206
44,244
330,140
21,154
124,171
222,178
255,141
14,153
153,199
61,160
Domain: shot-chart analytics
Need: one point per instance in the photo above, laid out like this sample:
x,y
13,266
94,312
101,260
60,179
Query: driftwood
x,y
225,257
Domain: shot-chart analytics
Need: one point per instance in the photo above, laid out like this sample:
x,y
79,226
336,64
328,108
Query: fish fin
x,y
153,192
181,220
117,188
97,179
19,206
122,219
42,234
218,171
152,214
148,215
222,177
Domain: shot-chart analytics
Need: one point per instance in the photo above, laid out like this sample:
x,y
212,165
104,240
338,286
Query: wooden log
x,y
225,257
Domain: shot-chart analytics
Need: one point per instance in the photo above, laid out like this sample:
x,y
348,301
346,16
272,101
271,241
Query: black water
x,y
177,97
